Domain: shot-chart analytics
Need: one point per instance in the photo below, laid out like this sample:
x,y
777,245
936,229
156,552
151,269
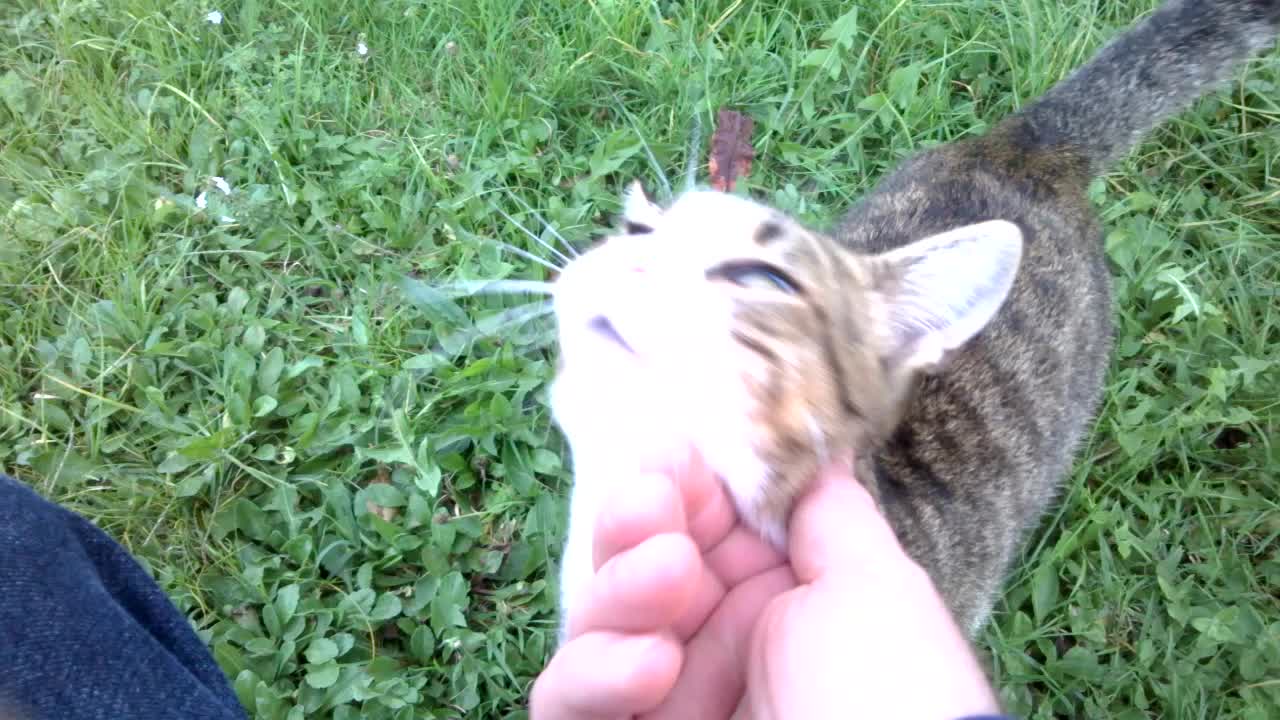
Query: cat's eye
x,y
755,275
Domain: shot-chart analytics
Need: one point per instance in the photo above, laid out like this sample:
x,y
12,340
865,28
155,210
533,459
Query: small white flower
x,y
222,185
202,200
226,219
362,49
214,17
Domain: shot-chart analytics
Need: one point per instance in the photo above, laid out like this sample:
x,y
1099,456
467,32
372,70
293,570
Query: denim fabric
x,y
85,633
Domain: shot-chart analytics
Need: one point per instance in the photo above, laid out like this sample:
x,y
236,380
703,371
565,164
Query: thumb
x,y
836,529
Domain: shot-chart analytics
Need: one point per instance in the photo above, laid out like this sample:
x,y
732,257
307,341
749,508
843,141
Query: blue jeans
x,y
85,633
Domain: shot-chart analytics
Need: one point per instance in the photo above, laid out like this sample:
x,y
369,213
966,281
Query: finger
x,y
706,598
836,527
604,676
635,511
742,554
736,559
760,699
713,676
712,515
642,589
810,644
708,507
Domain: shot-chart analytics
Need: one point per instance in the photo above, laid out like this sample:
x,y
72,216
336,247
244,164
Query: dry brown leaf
x,y
386,513
731,150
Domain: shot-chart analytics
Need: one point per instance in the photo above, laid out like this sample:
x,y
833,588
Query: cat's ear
x,y
941,291
639,214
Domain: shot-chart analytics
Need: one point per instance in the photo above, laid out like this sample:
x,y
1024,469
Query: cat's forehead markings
x,y
769,231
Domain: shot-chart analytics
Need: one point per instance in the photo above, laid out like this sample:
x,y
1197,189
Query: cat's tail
x,y
1159,67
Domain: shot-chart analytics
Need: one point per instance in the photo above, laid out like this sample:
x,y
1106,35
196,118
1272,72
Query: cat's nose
x,y
604,327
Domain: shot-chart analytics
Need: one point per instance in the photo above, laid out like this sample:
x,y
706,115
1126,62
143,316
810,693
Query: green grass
x,y
220,395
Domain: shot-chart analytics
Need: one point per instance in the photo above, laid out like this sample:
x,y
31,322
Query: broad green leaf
x,y
321,650
903,83
207,447
422,643
387,607
421,362
191,485
263,405
269,371
303,365
64,466
428,480
359,602
236,301
546,462
1044,590
1081,663
384,668
449,603
843,30
437,303
386,495
359,330
287,601
323,675
254,337
175,463
200,147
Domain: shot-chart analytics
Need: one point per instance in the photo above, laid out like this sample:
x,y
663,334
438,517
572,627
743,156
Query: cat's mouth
x,y
604,327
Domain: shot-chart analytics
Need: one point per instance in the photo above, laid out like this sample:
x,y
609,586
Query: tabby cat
x,y
953,332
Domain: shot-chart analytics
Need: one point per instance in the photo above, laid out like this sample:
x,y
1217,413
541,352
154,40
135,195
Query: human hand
x,y
678,587
865,632
690,608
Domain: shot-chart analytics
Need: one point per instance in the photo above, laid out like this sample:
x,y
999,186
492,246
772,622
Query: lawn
x,y
227,336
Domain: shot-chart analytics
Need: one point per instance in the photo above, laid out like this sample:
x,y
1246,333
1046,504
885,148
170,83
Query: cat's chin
x,y
616,416
620,425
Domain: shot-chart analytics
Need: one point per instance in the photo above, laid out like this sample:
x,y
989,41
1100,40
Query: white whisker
x,y
648,151
564,258
450,345
497,287
694,152
522,253
657,168
515,316
491,325
550,228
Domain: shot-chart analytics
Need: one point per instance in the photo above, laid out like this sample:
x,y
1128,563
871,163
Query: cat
x,y
953,332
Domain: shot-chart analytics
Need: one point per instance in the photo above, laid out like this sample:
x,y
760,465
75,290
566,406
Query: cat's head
x,y
723,324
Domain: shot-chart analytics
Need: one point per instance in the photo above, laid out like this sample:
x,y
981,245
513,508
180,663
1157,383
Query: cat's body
x,y
954,331
986,443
